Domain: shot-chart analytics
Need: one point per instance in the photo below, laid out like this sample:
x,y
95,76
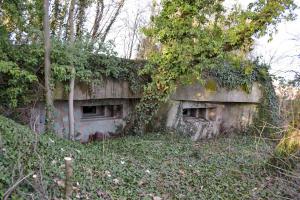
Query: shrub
x,y
285,155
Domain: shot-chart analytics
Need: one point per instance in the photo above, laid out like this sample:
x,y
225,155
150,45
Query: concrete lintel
x,y
198,93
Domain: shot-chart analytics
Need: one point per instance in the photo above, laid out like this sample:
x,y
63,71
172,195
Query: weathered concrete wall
x,y
109,89
237,116
84,126
227,117
199,93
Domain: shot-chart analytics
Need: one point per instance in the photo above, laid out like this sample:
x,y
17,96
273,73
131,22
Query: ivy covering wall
x,y
229,75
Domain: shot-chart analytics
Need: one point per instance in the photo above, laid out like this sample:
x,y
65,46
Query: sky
x,y
280,52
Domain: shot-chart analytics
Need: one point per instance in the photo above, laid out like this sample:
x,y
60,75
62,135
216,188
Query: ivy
x,y
164,163
243,77
120,69
15,82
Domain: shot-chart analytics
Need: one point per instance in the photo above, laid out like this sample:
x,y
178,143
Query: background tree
x,y
73,72
131,31
146,44
47,69
107,13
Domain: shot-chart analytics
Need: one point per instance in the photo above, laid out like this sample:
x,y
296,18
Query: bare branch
x,y
112,21
98,18
12,188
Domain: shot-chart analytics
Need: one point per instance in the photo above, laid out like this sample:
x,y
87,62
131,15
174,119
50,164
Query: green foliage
x,y
165,165
234,75
17,157
118,68
92,67
268,118
23,19
21,43
201,35
290,143
65,55
286,154
22,75
17,82
19,69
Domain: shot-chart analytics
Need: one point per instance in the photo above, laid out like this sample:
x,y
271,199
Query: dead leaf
x,y
60,183
103,195
116,181
141,183
181,172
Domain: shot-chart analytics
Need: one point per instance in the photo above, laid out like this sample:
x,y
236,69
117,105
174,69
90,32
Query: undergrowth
x,y
139,167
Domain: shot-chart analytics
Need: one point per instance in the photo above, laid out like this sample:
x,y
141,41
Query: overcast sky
x,y
280,52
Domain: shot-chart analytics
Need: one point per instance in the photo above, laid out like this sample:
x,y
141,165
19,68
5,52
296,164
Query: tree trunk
x,y
81,17
68,180
98,18
73,71
61,20
55,17
47,47
71,106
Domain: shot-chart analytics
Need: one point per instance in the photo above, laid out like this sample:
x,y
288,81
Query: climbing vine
x,y
243,77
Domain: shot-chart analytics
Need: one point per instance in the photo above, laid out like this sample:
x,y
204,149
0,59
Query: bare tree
x,y
81,17
112,20
106,16
47,47
147,45
133,34
98,18
133,23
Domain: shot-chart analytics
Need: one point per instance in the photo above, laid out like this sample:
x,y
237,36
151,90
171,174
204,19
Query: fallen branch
x,y
11,189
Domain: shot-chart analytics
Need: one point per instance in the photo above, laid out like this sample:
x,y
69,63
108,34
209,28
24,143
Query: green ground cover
x,y
165,165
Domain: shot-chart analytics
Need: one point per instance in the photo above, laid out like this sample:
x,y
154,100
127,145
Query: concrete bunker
x,y
192,109
102,110
203,113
